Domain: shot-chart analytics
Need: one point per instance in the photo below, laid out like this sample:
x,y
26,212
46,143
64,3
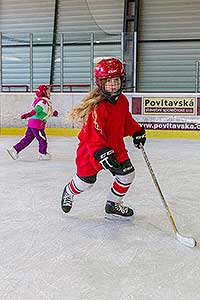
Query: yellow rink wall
x,y
176,134
49,131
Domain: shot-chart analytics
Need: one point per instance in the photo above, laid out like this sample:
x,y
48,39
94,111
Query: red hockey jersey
x,y
105,127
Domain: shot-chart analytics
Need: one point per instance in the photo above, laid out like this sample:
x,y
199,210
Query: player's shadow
x,y
99,227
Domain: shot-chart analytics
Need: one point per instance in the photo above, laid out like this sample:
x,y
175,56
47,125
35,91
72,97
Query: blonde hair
x,y
79,114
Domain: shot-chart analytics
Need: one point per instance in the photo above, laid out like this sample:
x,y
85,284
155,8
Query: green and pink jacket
x,y
40,106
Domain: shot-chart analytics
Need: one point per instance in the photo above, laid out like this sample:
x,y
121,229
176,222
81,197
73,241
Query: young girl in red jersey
x,y
106,120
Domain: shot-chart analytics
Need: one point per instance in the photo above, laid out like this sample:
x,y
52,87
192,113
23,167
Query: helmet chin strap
x,y
112,97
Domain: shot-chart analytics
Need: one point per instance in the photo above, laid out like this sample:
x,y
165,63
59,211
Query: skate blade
x,y
14,158
117,217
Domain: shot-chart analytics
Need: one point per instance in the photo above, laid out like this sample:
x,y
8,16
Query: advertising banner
x,y
170,112
169,105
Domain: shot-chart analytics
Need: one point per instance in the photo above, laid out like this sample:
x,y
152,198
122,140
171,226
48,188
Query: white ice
x,y
48,255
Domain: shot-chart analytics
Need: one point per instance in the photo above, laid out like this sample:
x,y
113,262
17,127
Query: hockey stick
x,y
187,241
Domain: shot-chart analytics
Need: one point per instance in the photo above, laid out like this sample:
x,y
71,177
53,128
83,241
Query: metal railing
x,y
26,62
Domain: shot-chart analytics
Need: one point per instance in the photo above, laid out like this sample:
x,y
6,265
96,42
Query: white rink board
x,y
14,104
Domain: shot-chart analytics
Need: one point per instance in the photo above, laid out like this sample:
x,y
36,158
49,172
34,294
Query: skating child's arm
x,y
93,132
28,115
131,126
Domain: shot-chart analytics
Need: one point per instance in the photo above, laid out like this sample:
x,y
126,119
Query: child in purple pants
x,y
42,110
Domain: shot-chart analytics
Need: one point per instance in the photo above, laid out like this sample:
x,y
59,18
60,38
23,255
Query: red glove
x,y
28,115
55,113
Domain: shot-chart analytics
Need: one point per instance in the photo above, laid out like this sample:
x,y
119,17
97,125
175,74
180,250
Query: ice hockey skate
x,y
114,210
13,153
46,156
66,202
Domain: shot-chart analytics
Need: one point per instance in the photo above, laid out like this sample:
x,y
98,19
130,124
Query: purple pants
x,y
32,133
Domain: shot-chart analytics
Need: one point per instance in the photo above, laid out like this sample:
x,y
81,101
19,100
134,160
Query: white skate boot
x,y
13,153
46,156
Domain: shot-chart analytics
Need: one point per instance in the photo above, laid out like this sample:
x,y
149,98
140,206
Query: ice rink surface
x,y
47,255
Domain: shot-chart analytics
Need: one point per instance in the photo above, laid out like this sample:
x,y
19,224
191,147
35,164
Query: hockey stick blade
x,y
187,241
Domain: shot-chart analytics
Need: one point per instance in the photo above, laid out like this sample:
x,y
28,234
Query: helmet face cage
x,y
41,91
109,68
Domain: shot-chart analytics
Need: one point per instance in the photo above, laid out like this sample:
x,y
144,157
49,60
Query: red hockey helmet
x,y
108,68
41,91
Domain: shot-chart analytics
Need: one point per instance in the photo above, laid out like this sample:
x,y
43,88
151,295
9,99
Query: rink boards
x,y
162,115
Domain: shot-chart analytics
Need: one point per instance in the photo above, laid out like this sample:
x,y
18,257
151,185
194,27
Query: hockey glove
x,y
139,138
55,113
107,159
28,115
